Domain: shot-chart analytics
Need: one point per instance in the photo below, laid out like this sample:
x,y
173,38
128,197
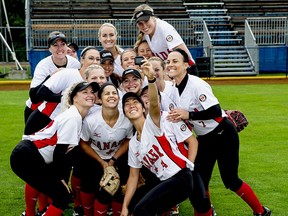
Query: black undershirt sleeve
x,y
211,113
60,160
33,92
46,94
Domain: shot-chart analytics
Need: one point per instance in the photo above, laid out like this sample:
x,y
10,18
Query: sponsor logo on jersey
x,y
202,97
169,38
183,127
171,106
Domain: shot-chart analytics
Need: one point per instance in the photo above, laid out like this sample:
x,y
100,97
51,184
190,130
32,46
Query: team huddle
x,y
125,131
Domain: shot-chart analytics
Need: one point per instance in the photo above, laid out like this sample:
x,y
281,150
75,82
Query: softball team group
x,y
113,108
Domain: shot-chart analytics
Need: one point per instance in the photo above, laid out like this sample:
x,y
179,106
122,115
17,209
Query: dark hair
x,y
100,91
86,49
183,53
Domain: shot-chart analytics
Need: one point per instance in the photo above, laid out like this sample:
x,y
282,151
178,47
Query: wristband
x,y
152,81
191,114
114,159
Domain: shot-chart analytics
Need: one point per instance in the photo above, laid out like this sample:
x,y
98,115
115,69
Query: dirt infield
x,y
25,84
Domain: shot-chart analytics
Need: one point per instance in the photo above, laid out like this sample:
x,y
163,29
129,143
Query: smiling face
x,y
90,57
107,37
133,109
127,59
147,27
131,83
97,75
58,49
108,66
175,66
144,50
109,97
84,98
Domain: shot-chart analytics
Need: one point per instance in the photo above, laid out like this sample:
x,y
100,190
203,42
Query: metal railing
x,y
85,32
251,47
269,30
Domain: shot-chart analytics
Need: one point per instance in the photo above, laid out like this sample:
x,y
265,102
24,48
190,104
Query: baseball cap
x,y
131,95
106,55
81,86
143,15
135,72
74,45
54,36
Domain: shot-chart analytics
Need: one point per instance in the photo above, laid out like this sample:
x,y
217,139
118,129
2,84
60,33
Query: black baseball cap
x,y
54,36
81,86
131,95
135,72
143,15
106,55
74,45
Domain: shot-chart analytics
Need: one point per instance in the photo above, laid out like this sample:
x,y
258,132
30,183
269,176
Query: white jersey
x,y
105,140
64,129
45,68
158,149
166,102
165,38
197,96
168,88
58,83
118,69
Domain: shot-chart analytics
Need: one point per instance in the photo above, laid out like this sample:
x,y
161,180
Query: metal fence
x,y
269,30
85,32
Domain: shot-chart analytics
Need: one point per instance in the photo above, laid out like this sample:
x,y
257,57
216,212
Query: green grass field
x,y
263,150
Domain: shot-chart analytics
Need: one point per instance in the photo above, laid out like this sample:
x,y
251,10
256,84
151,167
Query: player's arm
x,y
154,105
33,92
122,150
46,94
179,114
132,183
192,148
86,147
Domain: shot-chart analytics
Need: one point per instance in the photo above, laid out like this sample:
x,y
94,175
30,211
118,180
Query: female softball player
x,y
42,159
58,59
107,36
217,136
153,147
161,37
105,136
51,91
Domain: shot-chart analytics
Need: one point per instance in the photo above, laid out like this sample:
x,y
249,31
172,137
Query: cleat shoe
x,y
267,212
213,211
175,210
78,211
23,213
110,211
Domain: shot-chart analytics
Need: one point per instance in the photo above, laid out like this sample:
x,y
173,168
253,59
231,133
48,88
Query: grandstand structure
x,y
236,36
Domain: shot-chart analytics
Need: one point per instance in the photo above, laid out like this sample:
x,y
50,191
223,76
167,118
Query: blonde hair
x,y
156,58
66,102
125,51
117,47
139,41
90,68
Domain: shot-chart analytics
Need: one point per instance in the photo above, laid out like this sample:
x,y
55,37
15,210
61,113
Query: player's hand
x,y
147,69
124,211
177,115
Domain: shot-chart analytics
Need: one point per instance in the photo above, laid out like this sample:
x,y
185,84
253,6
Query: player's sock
x,y
117,207
76,185
31,196
248,195
87,200
100,209
42,202
53,211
